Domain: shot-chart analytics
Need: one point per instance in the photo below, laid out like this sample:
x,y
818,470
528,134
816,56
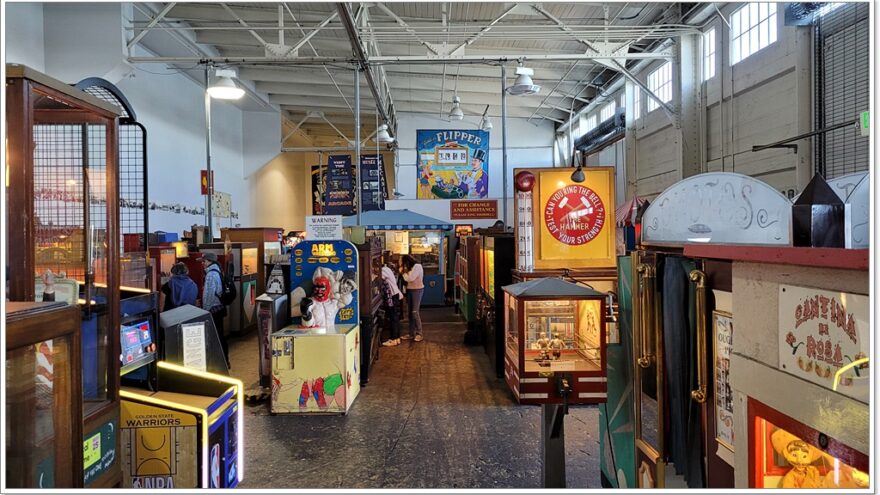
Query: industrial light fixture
x,y
523,86
456,113
382,135
485,123
223,87
578,175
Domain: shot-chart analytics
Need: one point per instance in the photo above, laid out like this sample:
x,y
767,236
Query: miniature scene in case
x,y
563,332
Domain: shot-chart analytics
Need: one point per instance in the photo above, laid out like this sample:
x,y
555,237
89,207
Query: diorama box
x,y
553,326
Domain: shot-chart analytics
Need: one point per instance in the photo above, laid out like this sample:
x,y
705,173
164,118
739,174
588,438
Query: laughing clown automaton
x,y
324,282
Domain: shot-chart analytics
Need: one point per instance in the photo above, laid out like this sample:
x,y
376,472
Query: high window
x,y
608,111
637,102
709,54
660,83
752,28
589,123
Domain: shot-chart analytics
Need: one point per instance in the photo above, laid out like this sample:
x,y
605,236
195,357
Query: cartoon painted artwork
x,y
453,164
310,374
324,281
158,447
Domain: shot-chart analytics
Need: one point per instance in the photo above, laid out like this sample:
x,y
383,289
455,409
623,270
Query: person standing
x,y
179,290
413,275
391,297
211,292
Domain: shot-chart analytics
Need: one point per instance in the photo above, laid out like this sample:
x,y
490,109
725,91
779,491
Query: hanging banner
x,y
453,164
823,338
339,194
373,187
203,180
319,185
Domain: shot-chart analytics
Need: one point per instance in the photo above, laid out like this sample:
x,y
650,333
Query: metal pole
x,y
208,153
357,141
504,144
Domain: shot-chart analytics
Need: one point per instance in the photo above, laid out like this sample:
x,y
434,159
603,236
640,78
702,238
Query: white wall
x,y
24,36
72,41
528,145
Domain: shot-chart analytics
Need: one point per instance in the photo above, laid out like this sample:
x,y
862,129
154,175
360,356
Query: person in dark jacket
x,y
211,293
179,290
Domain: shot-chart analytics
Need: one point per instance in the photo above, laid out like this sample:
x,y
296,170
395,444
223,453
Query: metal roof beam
x,y
404,25
241,21
155,20
484,30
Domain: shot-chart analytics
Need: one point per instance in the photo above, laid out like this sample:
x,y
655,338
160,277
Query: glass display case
x,y
268,244
428,247
789,454
497,264
62,156
43,396
554,326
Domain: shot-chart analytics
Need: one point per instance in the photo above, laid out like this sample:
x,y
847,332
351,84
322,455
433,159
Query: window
x,y
637,102
752,28
660,83
709,54
608,111
589,123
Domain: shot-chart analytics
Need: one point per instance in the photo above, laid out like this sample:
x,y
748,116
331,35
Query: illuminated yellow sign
x,y
92,450
323,249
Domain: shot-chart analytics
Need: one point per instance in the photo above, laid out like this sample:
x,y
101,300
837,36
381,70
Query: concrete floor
x,y
432,416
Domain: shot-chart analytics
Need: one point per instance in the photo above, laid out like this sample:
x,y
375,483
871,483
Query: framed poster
x,y
453,164
722,332
339,195
823,338
373,187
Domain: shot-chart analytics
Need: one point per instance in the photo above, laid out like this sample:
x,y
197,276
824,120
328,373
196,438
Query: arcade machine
x,y
62,147
370,258
793,380
677,299
243,262
316,360
182,424
497,260
273,314
554,326
468,280
268,242
43,396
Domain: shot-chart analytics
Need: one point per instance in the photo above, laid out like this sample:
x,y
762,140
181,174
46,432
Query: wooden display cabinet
x,y
496,262
553,326
370,295
62,166
43,396
268,241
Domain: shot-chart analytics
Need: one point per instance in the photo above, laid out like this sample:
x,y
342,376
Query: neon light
x,y
183,407
240,412
839,373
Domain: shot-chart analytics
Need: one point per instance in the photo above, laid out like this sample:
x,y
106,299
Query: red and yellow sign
x,y
473,209
574,221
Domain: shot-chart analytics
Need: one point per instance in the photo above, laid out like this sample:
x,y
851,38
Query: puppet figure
x,y
801,456
556,345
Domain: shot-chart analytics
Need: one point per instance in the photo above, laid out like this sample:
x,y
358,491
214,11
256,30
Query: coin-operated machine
x,y
242,263
273,314
554,326
182,427
316,360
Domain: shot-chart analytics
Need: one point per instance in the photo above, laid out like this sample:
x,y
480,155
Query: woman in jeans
x,y
413,275
391,297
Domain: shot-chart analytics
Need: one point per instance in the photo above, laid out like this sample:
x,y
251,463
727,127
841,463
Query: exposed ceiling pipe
x,y
348,22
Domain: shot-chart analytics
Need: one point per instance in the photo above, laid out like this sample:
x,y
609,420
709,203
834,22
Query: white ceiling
x,y
242,31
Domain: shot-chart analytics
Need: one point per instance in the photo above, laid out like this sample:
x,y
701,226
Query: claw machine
x,y
243,264
63,186
316,361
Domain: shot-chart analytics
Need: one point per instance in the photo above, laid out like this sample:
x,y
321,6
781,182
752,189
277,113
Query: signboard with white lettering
x,y
823,338
323,227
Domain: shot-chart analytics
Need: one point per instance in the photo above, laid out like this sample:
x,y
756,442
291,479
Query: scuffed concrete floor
x,y
432,416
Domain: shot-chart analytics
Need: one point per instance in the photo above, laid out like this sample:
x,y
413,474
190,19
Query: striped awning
x,y
396,220
626,213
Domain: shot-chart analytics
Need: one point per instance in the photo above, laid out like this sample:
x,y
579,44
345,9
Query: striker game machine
x,y
181,414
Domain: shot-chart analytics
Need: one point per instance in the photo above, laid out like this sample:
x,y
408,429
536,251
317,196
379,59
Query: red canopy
x,y
626,213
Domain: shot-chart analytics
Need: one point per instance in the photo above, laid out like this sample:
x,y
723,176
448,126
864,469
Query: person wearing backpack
x,y
212,292
179,290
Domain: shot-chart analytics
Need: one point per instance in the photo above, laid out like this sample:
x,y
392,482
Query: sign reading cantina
x,y
823,338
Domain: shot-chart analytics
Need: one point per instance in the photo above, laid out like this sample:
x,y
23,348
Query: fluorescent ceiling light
x,y
223,87
523,86
456,113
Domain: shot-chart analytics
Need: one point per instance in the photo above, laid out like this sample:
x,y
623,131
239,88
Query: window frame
x,y
613,106
709,51
662,88
753,27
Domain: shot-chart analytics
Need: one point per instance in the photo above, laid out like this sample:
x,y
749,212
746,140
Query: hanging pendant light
x,y
485,123
523,86
578,175
456,113
382,135
223,87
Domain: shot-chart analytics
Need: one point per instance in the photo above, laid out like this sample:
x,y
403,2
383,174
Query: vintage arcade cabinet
x,y
268,242
554,326
683,324
243,262
182,426
496,263
469,278
62,148
316,361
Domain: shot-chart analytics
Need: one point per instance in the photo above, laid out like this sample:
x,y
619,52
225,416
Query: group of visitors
x,y
413,286
180,290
